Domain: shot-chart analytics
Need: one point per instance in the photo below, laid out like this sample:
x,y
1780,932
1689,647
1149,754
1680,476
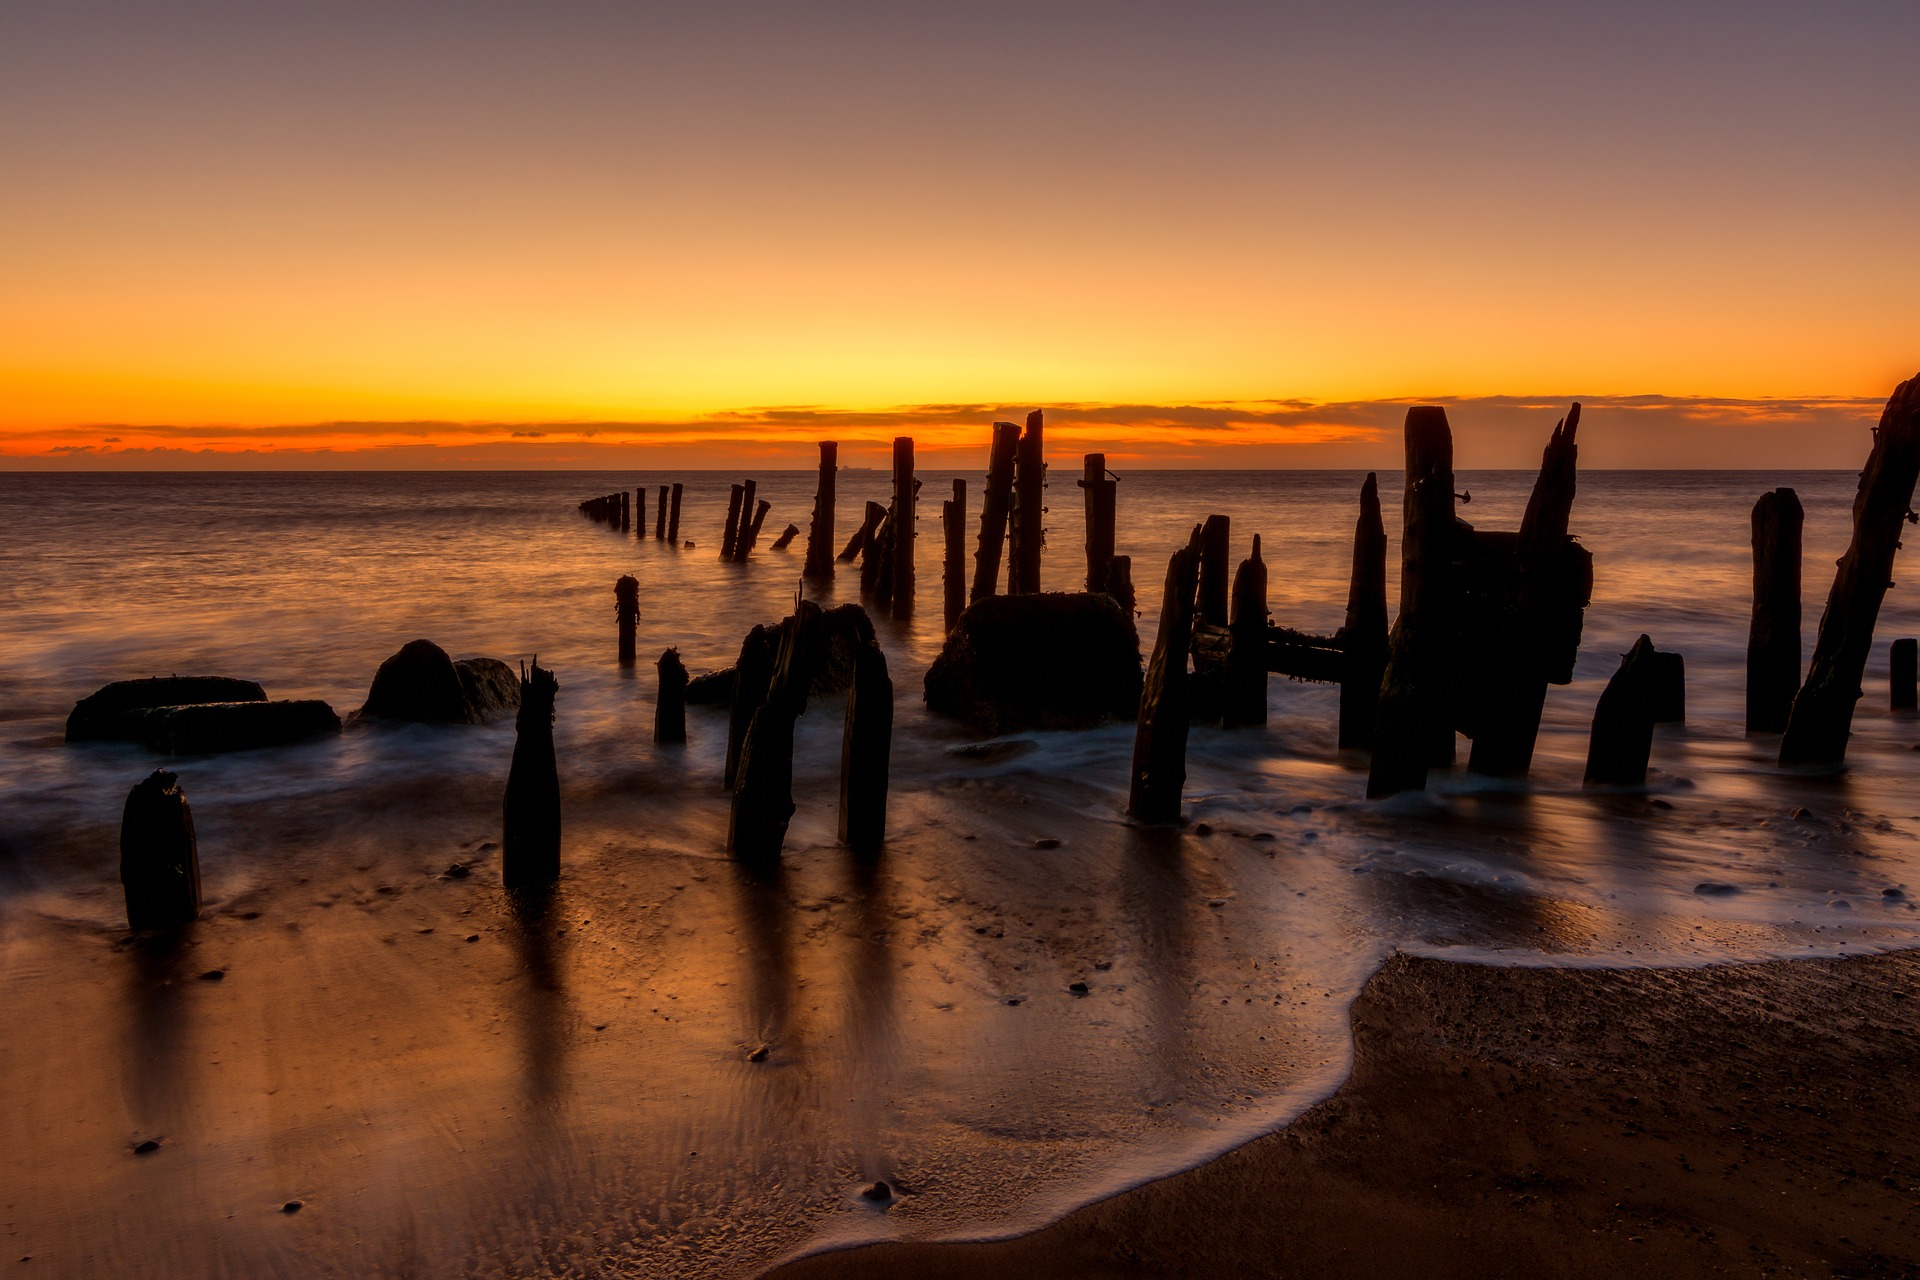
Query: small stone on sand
x,y
147,1147
213,975
1046,842
1078,988
293,1206
878,1191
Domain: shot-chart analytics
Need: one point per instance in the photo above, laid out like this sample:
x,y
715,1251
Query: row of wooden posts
x,y
628,511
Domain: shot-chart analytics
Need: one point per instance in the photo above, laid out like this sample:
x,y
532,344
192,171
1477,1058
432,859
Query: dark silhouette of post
x,y
530,840
996,507
1668,688
869,529
734,500
1120,582
864,747
670,703
1903,665
1246,702
1622,740
1216,542
640,512
763,796
1822,714
1160,737
820,529
953,565
1773,637
1363,634
660,515
1101,500
903,526
1029,508
749,531
673,521
626,608
626,511
787,535
159,857
876,555
751,674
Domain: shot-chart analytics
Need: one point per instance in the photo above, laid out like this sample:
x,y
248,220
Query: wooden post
x,y
1903,665
640,513
673,521
670,704
787,535
626,511
820,529
1216,541
1246,702
1622,737
953,577
626,608
660,515
864,747
530,840
876,574
1029,509
1363,635
995,507
763,797
1100,503
733,521
903,526
751,674
1160,738
159,857
1667,688
869,528
1823,712
1414,731
748,491
1773,637
749,533
1120,583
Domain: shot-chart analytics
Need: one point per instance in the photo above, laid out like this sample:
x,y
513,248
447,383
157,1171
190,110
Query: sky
x,y
1210,234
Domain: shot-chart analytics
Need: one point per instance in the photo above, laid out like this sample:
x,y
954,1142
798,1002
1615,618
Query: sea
x,y
367,1058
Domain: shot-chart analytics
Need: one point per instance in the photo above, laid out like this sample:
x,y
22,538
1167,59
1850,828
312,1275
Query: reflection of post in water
x,y
872,1032
761,889
1157,897
153,1081
1488,828
539,997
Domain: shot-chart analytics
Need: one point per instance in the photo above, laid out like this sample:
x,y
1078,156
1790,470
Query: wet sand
x,y
1743,1120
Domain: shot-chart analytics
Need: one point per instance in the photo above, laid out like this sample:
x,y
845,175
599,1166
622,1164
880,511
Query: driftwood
x,y
159,857
734,499
673,520
996,507
864,749
626,610
1903,665
670,704
1773,637
1822,714
1102,499
820,527
1160,740
751,675
530,840
953,575
1029,509
901,517
1246,685
763,794
1362,637
1622,738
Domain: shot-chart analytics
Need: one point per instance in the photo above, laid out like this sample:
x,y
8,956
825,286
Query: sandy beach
x,y
1742,1120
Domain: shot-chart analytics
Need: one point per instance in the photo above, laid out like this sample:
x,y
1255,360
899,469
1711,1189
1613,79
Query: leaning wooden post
x,y
159,857
763,797
749,532
1773,636
995,505
787,535
660,515
820,529
734,500
1216,542
670,704
1903,668
1823,712
1247,660
903,526
530,840
673,520
953,574
1622,738
626,608
1160,737
1415,731
1029,508
864,747
1363,635
751,674
1100,502
870,519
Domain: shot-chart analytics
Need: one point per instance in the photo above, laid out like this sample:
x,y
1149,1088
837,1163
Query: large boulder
x,y
209,727
1060,660
107,715
422,684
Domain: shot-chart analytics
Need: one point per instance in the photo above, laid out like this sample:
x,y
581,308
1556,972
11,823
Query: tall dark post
x,y
1773,637
953,577
763,797
640,512
1216,542
1160,738
995,507
626,510
1247,671
660,515
734,500
1903,668
876,550
1100,496
864,748
903,526
626,608
1029,508
670,704
530,840
820,531
1363,635
673,521
159,857
1823,712
748,534
751,674
1622,738
1120,583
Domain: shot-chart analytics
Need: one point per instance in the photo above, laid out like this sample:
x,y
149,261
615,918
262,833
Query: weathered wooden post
x,y
864,747
870,519
749,531
1622,740
876,567
1246,702
626,608
787,535
1101,494
1415,731
1773,637
1029,508
1363,634
1823,712
1903,666
660,515
1120,583
1216,542
670,705
751,674
159,857
734,499
626,511
530,840
820,528
1667,689
995,508
763,798
673,521
903,526
953,565
1160,738
640,512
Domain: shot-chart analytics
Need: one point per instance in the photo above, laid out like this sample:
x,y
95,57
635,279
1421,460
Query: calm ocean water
x,y
454,1087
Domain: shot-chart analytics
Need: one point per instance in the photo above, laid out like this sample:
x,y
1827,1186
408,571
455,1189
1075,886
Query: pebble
x,y
1802,815
1892,895
1013,1000
1715,888
1202,829
473,937
1078,988
213,975
1261,835
146,1148
293,1206
459,871
760,1054
1301,808
878,1191
1046,842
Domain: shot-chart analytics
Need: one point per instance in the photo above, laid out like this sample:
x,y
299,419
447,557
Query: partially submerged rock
x,y
423,685
844,630
104,716
1060,660
211,727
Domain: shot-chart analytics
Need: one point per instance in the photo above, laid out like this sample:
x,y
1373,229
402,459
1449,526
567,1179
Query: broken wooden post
x,y
1414,730
673,520
953,576
1363,634
1120,583
640,513
996,506
870,520
159,857
1667,688
763,795
1903,665
750,676
660,515
1822,714
1160,737
1246,700
787,535
865,745
1215,547
820,528
1622,737
1029,509
749,531
876,571
734,499
903,526
626,608
670,704
530,840
1773,636
1101,494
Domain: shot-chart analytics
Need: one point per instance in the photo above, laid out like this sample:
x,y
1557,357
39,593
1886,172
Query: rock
x,y
760,1054
213,975
212,727
1046,842
1715,888
711,689
1202,829
1078,988
458,871
878,1191
422,685
1059,660
293,1206
146,1148
104,715
844,630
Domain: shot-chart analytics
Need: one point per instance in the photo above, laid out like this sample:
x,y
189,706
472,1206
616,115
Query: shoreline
x,y
1745,1119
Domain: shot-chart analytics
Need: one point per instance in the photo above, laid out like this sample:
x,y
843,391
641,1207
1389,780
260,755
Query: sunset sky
x,y
621,234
